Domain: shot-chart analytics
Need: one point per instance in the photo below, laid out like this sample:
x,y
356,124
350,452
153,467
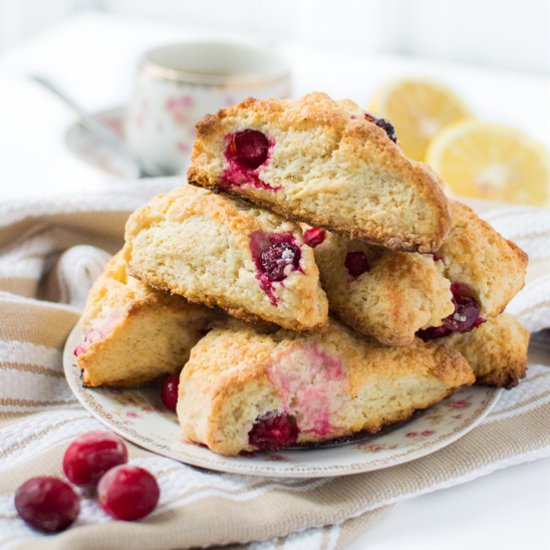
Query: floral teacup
x,y
178,84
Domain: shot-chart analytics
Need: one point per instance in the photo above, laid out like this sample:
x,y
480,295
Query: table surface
x,y
94,58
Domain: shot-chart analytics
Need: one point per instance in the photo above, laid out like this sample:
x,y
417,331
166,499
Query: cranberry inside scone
x,y
244,390
314,236
386,125
219,251
388,295
465,317
322,162
356,263
246,151
276,255
394,295
273,431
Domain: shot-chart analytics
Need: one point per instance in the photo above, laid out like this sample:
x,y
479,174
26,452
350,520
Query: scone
x,y
134,334
243,390
395,295
477,255
220,251
388,295
496,350
324,162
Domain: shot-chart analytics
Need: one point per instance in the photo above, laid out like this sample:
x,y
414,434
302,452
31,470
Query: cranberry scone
x,y
134,334
496,350
244,390
220,251
324,162
477,255
395,295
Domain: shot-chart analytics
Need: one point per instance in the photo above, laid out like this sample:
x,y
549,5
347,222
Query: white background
x,y
506,34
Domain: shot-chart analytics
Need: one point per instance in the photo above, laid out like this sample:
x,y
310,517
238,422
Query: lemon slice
x,y
491,161
419,110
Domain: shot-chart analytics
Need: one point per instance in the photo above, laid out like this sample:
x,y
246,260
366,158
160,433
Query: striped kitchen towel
x,y
50,253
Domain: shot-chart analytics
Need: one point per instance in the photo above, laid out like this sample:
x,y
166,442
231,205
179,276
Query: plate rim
x,y
294,470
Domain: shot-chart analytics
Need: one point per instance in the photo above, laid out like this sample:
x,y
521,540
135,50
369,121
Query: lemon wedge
x,y
491,161
419,110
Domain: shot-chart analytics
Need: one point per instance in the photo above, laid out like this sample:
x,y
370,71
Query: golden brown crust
x,y
479,256
496,350
402,292
237,374
196,244
135,334
327,162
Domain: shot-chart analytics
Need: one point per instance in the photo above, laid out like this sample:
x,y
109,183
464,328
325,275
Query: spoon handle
x,y
100,130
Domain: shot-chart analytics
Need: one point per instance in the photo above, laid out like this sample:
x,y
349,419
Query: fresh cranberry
x,y
89,456
386,125
248,148
356,263
273,431
169,392
465,317
128,492
314,237
47,503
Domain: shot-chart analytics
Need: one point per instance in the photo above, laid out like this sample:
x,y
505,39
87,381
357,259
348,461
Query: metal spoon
x,y
101,131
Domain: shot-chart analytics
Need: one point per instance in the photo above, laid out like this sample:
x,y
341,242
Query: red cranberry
x,y
386,125
128,492
356,263
271,253
245,152
276,257
465,317
248,148
314,237
169,391
89,456
273,431
47,503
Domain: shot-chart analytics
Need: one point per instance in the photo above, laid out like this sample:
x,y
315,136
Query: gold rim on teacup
x,y
232,64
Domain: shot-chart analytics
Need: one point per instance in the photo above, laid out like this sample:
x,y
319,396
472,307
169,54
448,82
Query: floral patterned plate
x,y
139,416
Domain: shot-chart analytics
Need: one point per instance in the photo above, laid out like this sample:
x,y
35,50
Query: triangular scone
x,y
134,334
496,350
393,295
477,255
323,162
397,294
220,251
243,390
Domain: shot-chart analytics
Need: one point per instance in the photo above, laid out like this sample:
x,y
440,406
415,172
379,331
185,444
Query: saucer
x,y
88,148
138,415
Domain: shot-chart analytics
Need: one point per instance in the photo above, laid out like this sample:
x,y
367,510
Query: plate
x,y
139,416
88,148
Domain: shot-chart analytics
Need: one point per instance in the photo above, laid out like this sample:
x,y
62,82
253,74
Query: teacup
x,y
178,84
